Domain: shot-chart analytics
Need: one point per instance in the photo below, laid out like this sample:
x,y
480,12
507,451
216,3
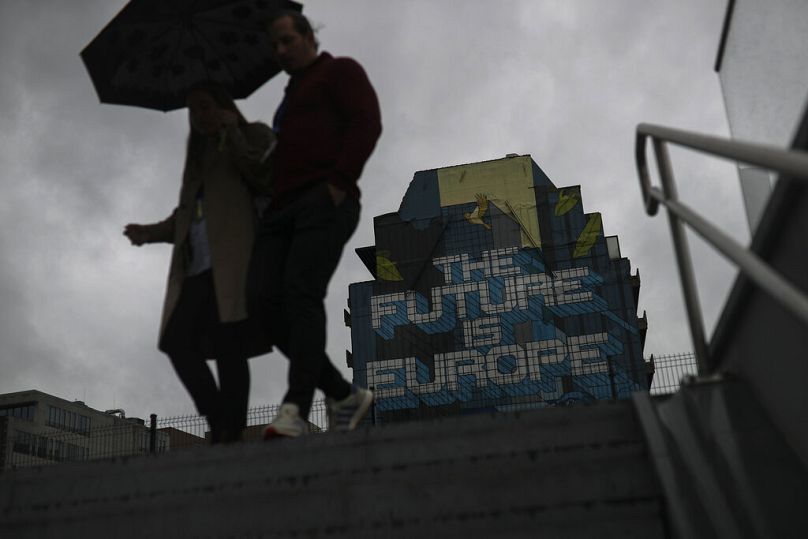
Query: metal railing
x,y
793,164
192,430
669,372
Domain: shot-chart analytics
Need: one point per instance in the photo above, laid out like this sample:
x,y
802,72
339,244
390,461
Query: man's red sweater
x,y
328,125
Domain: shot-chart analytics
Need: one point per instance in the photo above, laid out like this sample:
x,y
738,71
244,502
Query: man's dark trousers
x,y
297,250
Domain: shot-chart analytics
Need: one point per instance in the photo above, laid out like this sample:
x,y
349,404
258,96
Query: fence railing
x,y
192,430
37,446
669,370
793,164
178,433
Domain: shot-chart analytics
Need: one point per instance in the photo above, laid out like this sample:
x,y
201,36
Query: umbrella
x,y
153,50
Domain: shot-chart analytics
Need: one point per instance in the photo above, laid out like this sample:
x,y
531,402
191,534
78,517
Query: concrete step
x,y
575,472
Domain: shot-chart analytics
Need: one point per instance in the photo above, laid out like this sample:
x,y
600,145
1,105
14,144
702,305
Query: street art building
x,y
493,289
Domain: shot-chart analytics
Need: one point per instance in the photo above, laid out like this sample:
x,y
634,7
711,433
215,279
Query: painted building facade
x,y
494,290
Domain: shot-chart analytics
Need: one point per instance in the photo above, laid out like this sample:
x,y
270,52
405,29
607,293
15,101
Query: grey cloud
x,y
459,81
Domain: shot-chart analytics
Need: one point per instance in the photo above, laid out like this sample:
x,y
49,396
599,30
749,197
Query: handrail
x,y
791,163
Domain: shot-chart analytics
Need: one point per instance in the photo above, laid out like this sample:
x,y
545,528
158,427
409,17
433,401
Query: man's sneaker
x,y
346,414
287,423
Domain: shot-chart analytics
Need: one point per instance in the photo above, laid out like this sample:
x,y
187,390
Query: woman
x,y
212,229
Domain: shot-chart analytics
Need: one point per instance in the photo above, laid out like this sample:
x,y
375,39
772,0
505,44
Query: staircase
x,y
562,472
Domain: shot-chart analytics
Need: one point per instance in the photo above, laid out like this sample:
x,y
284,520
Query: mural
x,y
494,290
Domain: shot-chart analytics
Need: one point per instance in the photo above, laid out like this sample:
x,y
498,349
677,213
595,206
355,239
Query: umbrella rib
x,y
156,39
196,35
167,84
240,26
215,50
163,33
144,47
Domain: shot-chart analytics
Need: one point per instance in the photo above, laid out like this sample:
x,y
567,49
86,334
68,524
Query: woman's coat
x,y
230,217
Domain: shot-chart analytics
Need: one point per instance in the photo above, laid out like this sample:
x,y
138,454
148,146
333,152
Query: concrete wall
x,y
576,472
763,70
765,83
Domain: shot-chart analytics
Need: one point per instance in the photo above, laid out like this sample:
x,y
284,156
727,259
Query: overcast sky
x,y
460,81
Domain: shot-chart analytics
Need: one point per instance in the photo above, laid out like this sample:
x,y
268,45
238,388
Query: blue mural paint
x,y
481,322
422,201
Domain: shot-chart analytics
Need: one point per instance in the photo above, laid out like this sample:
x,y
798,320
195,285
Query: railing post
x,y
153,434
373,407
610,370
683,259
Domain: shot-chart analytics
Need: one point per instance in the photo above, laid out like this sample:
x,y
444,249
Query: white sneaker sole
x,y
274,433
360,413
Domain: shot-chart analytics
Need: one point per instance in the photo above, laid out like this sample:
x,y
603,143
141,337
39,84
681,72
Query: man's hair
x,y
299,22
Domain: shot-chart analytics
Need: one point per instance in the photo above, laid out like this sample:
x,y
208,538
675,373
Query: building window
x,y
65,420
42,447
29,444
21,411
24,442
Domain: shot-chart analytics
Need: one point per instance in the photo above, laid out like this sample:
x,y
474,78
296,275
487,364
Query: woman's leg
x,y
181,341
234,391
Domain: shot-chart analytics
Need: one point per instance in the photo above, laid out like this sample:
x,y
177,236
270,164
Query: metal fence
x,y
192,430
669,371
164,434
40,446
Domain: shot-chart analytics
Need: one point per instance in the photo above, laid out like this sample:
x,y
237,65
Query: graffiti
x,y
484,298
515,369
494,290
494,284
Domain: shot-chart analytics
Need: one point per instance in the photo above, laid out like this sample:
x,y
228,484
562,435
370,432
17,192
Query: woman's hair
x,y
197,141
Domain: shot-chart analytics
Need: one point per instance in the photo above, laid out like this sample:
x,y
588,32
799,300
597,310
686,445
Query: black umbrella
x,y
153,50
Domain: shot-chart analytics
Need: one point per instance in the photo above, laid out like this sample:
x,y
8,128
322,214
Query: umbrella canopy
x,y
154,50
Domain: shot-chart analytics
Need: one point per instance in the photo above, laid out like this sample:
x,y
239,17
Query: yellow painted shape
x,y
477,215
588,236
506,183
567,199
386,269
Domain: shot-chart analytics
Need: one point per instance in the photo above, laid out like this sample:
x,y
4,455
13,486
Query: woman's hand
x,y
228,118
137,234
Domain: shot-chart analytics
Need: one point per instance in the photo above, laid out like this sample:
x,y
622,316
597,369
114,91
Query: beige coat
x,y
230,218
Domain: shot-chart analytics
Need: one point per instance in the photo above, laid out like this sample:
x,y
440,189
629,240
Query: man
x,y
327,126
